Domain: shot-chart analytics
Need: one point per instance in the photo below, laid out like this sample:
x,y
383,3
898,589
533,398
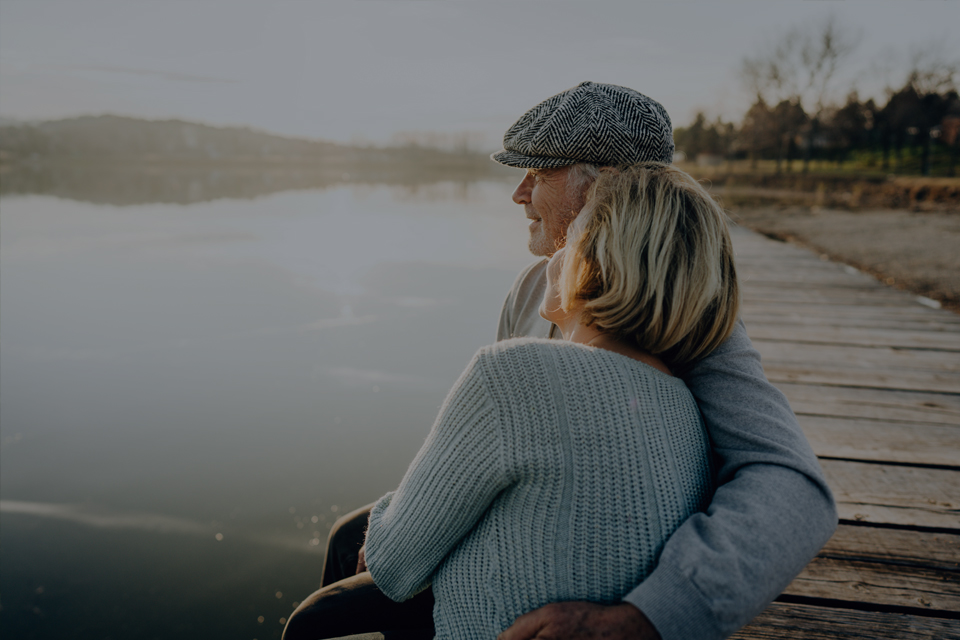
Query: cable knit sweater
x,y
554,471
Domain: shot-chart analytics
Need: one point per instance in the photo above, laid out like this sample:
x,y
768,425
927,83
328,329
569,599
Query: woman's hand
x,y
362,559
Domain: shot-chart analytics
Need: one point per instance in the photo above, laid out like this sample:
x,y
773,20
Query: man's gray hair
x,y
579,179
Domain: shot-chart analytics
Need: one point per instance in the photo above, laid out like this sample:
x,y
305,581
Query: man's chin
x,y
538,246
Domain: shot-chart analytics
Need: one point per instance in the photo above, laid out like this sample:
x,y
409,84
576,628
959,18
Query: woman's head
x,y
649,260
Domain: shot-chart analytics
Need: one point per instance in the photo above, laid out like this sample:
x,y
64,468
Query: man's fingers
x,y
525,627
362,560
582,621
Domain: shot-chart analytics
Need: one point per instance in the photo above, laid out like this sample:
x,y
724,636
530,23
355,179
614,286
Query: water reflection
x,y
185,183
247,368
80,515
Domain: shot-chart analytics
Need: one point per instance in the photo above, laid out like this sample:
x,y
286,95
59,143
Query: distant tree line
x,y
916,129
107,136
109,139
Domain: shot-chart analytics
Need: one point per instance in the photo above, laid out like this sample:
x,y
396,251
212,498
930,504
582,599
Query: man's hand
x,y
582,621
362,559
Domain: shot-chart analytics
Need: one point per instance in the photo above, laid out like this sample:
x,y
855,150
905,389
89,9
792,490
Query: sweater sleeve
x,y
771,513
448,486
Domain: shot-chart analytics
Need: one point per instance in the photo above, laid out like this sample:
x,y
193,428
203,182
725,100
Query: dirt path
x,y
919,252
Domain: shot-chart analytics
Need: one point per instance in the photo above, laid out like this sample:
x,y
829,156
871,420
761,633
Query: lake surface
x,y
192,394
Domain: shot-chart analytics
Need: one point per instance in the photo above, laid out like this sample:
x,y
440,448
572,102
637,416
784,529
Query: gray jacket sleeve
x,y
520,315
770,515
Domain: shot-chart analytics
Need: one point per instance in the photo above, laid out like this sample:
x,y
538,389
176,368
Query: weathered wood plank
x,y
774,256
767,272
804,296
792,318
907,406
917,312
803,279
781,621
793,294
836,284
856,581
848,365
806,277
876,378
901,339
886,494
894,547
914,313
881,440
859,356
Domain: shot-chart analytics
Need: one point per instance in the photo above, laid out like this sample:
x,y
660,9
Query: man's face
x,y
551,206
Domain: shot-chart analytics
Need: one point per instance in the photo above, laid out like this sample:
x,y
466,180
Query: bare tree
x,y
771,75
800,67
933,69
921,91
933,75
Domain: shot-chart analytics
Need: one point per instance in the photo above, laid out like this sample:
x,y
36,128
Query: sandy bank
x,y
911,250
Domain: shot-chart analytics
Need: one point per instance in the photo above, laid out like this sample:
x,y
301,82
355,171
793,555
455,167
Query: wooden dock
x,y
873,374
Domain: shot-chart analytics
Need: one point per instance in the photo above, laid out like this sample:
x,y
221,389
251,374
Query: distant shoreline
x,y
135,182
116,141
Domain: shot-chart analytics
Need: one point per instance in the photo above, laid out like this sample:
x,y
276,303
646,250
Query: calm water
x,y
191,394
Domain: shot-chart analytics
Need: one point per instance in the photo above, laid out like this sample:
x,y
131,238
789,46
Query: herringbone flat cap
x,y
603,124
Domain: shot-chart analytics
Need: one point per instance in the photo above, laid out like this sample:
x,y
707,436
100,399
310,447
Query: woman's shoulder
x,y
522,356
520,349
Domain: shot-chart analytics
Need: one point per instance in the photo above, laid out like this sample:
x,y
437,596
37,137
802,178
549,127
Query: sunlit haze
x,y
365,71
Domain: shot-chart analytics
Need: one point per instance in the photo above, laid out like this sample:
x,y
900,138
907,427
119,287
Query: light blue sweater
x,y
554,471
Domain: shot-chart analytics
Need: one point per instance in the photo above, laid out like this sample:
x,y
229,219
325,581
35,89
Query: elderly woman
x,y
557,469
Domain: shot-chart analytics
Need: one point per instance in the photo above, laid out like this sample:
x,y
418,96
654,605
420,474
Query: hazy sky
x,y
368,69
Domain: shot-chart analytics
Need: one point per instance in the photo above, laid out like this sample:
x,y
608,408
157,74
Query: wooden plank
x,y
901,339
827,293
757,312
798,296
757,264
764,270
854,357
894,547
882,440
882,584
774,252
794,318
773,257
912,310
899,495
782,621
835,289
874,378
849,294
847,402
888,567
910,313
806,277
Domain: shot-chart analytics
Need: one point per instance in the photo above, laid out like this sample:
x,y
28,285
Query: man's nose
x,y
521,194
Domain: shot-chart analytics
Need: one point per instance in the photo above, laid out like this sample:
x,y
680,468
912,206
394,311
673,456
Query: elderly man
x,y
772,510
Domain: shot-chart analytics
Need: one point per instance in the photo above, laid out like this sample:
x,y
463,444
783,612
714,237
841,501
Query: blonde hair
x,y
650,258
